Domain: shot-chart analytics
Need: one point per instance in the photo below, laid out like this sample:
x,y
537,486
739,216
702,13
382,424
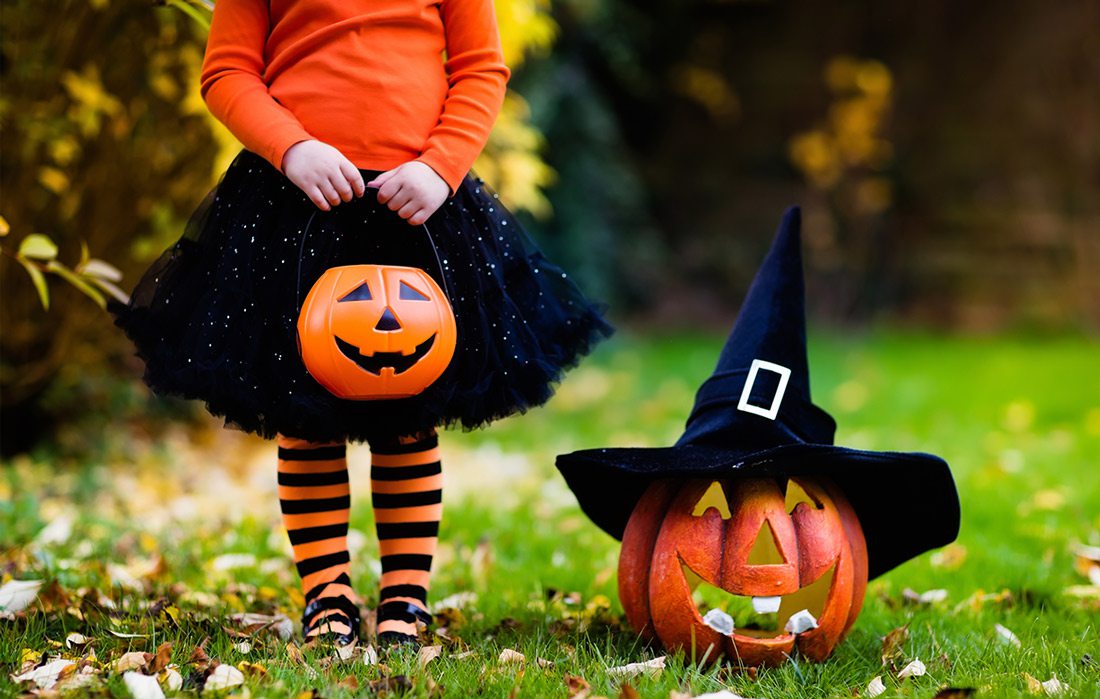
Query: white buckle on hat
x,y
784,376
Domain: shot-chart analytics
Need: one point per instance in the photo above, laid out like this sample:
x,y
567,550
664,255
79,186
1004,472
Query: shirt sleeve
x,y
233,86
477,78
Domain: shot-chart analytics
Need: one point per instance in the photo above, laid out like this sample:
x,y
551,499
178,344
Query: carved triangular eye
x,y
407,293
359,293
797,494
714,497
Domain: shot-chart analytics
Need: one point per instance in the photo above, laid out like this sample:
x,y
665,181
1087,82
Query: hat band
x,y
799,416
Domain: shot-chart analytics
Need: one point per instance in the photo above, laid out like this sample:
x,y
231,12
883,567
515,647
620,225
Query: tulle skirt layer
x,y
215,316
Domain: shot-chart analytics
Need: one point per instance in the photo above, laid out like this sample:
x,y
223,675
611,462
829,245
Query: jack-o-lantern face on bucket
x,y
762,550
373,331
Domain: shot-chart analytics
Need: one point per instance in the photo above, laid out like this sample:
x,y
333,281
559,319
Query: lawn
x,y
162,535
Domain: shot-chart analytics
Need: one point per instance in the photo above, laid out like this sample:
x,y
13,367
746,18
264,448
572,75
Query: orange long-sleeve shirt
x,y
365,76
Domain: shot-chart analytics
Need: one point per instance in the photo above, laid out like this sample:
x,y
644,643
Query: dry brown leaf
x,y
134,660
350,683
544,663
509,656
397,683
426,654
651,668
892,643
628,692
575,684
162,658
1033,685
950,557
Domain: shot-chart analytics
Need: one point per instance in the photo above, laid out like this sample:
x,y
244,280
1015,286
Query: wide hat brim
x,y
906,501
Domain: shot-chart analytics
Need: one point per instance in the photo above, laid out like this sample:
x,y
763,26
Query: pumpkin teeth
x,y
760,617
400,362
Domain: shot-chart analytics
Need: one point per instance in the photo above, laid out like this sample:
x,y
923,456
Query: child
x,y
331,98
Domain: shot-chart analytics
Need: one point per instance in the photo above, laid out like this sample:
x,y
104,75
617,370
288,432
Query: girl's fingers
x,y
389,190
400,199
381,180
318,199
353,177
409,209
329,192
342,187
419,217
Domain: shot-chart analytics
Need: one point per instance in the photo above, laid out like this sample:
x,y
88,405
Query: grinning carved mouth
x,y
760,617
374,363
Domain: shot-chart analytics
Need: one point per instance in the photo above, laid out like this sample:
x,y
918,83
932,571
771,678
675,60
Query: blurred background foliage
x,y
947,158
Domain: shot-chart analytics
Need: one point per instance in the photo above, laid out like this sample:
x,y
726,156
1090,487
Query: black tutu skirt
x,y
215,316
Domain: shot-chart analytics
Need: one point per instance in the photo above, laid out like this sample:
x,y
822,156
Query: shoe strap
x,y
403,611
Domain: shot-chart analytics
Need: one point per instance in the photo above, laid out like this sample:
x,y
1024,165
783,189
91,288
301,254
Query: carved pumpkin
x,y
753,546
372,331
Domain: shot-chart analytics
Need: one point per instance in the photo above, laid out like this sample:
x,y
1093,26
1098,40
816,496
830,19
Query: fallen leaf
x,y
800,622
1006,636
950,557
173,680
652,668
576,687
628,692
47,676
913,669
295,655
122,634
134,660
892,643
723,694
252,624
16,595
426,654
232,561
244,647
510,656
875,687
347,651
1055,686
1034,686
929,597
161,659
77,640
58,531
370,656
223,677
544,663
142,686
350,683
251,669
458,600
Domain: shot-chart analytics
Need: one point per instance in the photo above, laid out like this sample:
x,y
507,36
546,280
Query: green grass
x,y
1017,419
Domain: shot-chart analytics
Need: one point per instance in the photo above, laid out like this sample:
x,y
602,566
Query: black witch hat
x,y
753,417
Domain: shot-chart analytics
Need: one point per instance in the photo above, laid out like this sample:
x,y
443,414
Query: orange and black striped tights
x,y
407,489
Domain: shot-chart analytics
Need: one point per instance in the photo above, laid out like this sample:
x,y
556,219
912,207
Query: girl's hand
x,y
414,190
323,173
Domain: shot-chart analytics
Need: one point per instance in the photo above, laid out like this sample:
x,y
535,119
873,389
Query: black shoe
x,y
401,611
347,613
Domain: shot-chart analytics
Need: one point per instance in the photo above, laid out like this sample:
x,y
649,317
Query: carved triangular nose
x,y
764,549
388,321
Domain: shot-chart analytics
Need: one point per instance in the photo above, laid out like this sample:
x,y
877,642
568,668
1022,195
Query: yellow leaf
x,y
74,279
53,179
4,227
38,247
39,281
